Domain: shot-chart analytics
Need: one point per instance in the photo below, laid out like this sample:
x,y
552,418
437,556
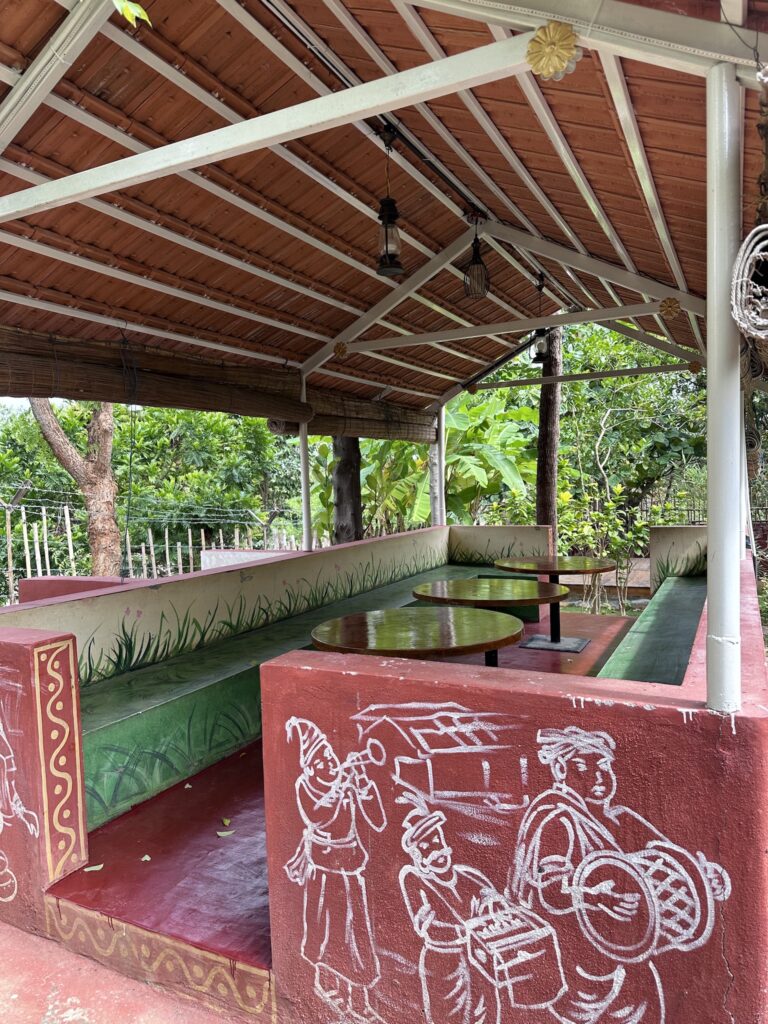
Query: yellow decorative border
x,y
215,981
61,839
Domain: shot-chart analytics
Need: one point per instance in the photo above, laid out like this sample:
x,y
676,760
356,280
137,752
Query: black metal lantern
x,y
477,280
389,237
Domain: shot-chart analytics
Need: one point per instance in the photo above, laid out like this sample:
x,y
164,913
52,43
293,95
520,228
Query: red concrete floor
x,y
43,983
202,888
603,631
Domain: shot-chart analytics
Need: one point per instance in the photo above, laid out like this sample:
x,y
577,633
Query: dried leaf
x,y
188,786
226,822
131,11
94,867
223,835
146,857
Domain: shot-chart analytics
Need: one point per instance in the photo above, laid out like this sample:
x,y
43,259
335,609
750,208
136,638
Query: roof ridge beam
x,y
591,265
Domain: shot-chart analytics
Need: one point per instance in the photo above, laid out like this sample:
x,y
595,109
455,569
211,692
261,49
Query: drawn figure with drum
x,y
330,863
477,946
618,893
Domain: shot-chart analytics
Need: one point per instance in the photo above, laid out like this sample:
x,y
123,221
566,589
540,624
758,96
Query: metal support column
x,y
441,519
724,531
306,492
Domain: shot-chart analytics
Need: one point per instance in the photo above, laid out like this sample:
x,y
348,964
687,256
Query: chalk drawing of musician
x,y
334,798
11,809
478,949
617,891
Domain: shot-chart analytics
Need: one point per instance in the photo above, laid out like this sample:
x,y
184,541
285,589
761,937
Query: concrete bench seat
x,y
657,648
148,729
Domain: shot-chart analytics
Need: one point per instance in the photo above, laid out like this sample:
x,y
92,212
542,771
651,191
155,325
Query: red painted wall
x,y
608,846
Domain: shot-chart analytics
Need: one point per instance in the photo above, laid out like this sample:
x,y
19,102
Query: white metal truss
x,y
76,31
569,378
34,302
584,316
676,41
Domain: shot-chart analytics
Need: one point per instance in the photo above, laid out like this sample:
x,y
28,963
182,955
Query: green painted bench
x,y
151,728
658,646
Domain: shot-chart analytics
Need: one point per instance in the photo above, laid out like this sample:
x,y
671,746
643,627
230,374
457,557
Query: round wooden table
x,y
420,632
491,593
556,566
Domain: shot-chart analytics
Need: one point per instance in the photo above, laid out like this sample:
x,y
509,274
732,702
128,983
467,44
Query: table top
x,y
490,593
557,565
418,632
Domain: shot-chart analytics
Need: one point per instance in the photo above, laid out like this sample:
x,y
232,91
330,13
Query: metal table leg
x,y
554,614
492,659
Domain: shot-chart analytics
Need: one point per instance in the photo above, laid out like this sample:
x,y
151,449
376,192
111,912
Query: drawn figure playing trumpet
x,y
617,891
330,863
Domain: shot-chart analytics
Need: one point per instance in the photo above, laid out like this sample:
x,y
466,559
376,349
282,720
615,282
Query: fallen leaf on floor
x,y
188,786
226,822
146,857
94,867
223,835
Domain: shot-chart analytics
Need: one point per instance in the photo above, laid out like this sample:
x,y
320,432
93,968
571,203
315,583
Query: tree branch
x,y
61,446
100,437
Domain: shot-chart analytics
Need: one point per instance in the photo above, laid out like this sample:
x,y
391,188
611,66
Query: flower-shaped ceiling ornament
x,y
669,307
554,51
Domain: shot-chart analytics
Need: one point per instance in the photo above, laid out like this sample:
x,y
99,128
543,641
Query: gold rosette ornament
x,y
554,51
340,349
670,307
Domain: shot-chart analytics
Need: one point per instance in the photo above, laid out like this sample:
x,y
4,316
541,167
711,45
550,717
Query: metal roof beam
x,y
440,78
586,316
569,378
591,265
676,41
69,40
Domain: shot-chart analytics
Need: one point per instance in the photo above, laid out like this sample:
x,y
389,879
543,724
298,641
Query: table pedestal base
x,y
566,644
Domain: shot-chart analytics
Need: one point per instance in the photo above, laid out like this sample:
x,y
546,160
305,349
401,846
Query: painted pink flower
x,y
127,611
139,613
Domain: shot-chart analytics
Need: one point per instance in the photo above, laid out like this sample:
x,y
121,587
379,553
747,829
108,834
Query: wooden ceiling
x,y
272,254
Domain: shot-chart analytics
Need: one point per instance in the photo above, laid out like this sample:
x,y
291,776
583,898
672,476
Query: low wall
x,y
521,845
482,545
677,551
39,588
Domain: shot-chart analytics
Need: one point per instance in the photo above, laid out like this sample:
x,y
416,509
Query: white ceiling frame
x,y
388,388
569,378
596,267
413,368
139,328
50,65
617,84
94,267
402,291
584,316
626,29
632,334
734,11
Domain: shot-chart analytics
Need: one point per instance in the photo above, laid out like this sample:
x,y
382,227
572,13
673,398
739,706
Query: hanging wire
x,y
751,48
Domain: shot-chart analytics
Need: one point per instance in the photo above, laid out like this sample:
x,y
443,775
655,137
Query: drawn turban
x,y
310,738
419,823
563,744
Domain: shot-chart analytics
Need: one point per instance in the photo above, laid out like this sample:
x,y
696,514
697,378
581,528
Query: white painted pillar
x,y
441,520
744,487
724,532
306,490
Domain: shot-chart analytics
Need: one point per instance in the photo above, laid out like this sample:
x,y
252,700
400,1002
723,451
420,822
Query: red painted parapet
x,y
42,825
40,588
449,843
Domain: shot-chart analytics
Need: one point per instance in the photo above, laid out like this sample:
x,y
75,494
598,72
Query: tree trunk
x,y
347,503
93,474
549,437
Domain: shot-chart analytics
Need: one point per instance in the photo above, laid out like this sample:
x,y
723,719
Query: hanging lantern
x,y
477,280
389,237
389,240
540,347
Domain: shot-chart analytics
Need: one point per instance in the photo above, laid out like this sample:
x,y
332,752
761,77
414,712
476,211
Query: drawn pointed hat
x,y
310,737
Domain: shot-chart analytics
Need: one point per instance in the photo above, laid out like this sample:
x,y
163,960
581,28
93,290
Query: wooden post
x,y
202,543
179,557
190,550
70,548
9,555
36,545
153,561
144,561
237,537
167,554
549,436
250,539
347,504
46,552
129,553
25,537
221,538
